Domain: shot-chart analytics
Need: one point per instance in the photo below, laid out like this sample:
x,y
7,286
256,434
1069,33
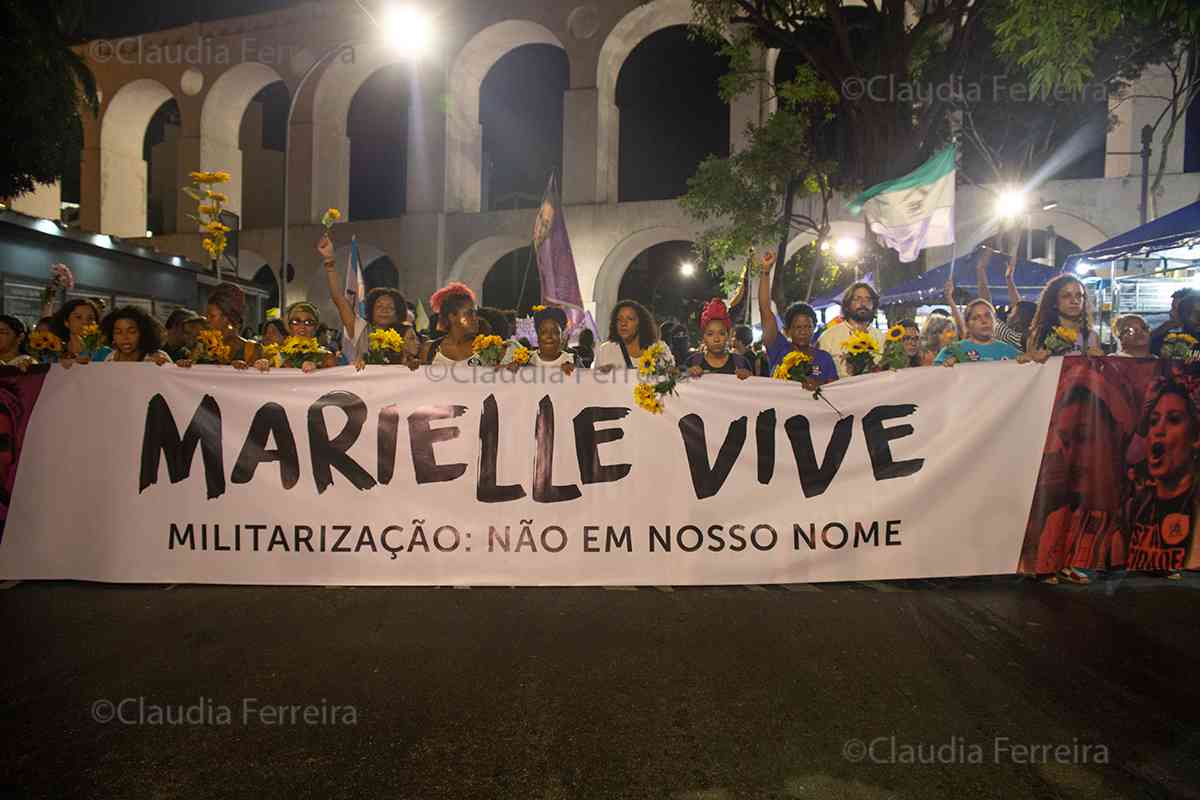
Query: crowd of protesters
x,y
1067,533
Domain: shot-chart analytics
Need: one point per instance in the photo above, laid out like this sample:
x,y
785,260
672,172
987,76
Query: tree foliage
x,y
46,87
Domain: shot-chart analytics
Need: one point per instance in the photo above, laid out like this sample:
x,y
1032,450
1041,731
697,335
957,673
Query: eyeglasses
x,y
911,339
1132,331
308,323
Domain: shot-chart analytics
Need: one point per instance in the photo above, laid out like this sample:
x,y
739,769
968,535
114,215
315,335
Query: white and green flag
x,y
914,211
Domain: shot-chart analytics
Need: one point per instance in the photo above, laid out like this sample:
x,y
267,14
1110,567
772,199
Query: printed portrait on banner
x,y
1119,484
18,393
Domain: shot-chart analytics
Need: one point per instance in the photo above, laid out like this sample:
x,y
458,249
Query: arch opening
x,y
124,172
512,282
377,126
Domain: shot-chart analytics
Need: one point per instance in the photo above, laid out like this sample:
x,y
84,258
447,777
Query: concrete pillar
x,y
608,151
44,201
1142,105
750,107
464,162
579,146
330,182
302,160
124,187
187,160
426,157
89,188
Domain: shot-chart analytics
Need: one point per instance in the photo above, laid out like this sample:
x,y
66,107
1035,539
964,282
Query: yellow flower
x,y
386,339
45,341
646,396
330,217
211,347
217,227
90,330
1181,337
299,345
484,342
221,176
1069,335
895,333
860,342
536,309
217,197
205,208
796,357
521,356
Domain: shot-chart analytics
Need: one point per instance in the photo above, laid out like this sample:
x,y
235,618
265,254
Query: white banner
x,y
134,473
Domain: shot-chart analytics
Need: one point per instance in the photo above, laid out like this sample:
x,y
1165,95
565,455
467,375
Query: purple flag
x,y
556,263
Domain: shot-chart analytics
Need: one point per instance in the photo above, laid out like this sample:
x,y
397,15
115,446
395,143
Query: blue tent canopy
x,y
929,287
1180,228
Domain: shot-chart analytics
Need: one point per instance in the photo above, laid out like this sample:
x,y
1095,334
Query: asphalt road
x,y
831,691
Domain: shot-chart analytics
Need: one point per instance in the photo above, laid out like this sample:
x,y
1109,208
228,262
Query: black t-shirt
x,y
732,364
1160,534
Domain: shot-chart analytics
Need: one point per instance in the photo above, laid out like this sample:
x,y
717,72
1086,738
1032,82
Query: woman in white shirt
x,y
631,330
550,324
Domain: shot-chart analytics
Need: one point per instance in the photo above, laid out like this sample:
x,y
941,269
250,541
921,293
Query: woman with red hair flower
x,y
454,305
715,326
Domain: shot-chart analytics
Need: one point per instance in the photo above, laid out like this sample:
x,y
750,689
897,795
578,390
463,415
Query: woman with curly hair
x,y
940,331
385,307
226,314
68,324
134,336
1062,304
456,310
631,329
303,322
715,326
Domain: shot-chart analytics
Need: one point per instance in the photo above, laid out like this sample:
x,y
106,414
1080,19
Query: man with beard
x,y
1174,323
860,302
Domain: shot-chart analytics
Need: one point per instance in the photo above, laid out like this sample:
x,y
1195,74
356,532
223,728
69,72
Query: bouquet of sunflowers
x,y
295,351
330,218
45,347
861,353
92,339
1061,340
798,367
385,346
894,356
489,350
1178,345
210,348
657,377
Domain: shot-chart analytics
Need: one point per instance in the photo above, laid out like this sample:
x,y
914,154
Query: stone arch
x,y
464,137
249,263
221,121
1082,232
335,90
638,24
477,260
608,278
124,181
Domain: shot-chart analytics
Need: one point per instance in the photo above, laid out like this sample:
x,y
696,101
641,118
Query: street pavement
x,y
956,688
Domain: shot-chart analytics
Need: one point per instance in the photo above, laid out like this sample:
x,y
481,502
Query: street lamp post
x,y
324,58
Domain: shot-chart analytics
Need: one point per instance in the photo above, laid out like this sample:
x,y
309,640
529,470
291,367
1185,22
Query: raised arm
x,y
1014,297
769,326
958,318
336,294
981,280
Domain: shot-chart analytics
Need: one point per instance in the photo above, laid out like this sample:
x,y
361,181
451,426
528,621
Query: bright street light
x,y
687,269
846,248
1083,267
1010,203
407,30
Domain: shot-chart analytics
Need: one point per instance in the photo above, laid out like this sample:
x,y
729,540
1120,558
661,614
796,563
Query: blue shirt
x,y
967,350
824,370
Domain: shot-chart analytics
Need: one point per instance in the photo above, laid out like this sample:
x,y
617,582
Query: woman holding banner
x,y
631,329
1062,324
454,305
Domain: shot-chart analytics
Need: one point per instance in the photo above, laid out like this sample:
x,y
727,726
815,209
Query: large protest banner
x,y
436,477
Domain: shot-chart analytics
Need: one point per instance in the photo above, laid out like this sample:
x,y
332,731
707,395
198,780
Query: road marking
x,y
8,584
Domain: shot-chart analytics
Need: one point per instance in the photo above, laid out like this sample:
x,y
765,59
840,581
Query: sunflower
x,y
895,333
646,396
1069,335
386,339
484,342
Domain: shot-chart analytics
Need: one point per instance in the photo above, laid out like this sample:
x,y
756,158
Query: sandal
x,y
1072,575
1050,579
1174,576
